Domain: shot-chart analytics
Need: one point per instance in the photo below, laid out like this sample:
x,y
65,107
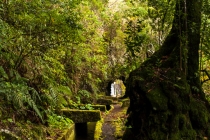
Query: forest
x,y
57,54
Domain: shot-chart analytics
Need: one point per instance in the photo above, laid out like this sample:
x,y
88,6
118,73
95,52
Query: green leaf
x,y
3,73
10,120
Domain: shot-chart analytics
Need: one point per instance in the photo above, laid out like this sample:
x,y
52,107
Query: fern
x,y
3,73
27,98
58,94
64,89
53,95
17,92
84,93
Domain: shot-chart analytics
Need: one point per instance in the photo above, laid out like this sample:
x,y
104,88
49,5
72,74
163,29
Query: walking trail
x,y
114,123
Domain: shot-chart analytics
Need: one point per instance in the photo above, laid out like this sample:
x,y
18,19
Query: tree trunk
x,y
166,98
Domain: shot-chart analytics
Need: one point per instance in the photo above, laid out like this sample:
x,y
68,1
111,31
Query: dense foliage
x,y
58,53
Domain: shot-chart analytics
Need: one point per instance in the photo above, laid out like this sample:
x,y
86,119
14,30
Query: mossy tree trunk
x,y
166,98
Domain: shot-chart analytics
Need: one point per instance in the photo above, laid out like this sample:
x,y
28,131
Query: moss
x,y
68,134
188,134
125,102
158,100
128,135
80,116
92,107
199,115
105,101
98,131
119,128
174,114
158,135
177,104
185,129
173,136
99,107
119,124
164,125
181,128
208,131
91,127
110,98
111,108
38,132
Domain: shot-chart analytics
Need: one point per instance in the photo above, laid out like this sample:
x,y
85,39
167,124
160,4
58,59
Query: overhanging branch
x,y
208,75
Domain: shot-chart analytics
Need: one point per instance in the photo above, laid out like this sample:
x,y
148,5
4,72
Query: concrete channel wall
x,y
70,134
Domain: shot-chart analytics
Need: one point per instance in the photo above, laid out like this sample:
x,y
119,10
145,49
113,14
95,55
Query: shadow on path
x,y
113,125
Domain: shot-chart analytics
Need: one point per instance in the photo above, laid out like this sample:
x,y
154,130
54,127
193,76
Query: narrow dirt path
x,y
113,125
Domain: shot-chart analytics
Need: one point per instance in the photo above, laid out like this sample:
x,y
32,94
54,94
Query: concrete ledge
x,y
95,107
109,97
105,101
125,102
99,107
82,116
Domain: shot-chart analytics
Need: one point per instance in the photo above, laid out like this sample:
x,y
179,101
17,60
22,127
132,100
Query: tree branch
x,y
208,75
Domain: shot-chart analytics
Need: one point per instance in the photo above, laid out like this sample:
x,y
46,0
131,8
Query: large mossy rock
x,y
82,116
